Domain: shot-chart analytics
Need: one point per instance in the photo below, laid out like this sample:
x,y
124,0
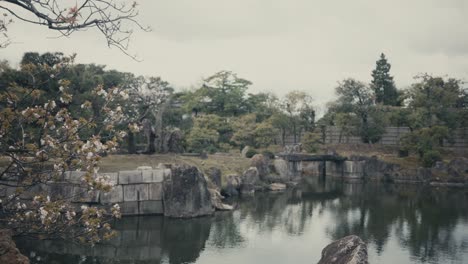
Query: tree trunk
x,y
151,143
294,132
283,137
131,145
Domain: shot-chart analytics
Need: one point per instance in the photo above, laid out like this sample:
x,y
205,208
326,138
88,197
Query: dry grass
x,y
228,164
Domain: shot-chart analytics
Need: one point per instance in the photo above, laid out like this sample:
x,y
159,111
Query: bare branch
x,y
113,18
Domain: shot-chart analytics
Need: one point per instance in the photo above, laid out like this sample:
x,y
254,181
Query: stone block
x,y
113,177
114,196
155,191
60,190
84,195
147,176
74,176
129,208
135,192
158,175
144,168
130,177
151,207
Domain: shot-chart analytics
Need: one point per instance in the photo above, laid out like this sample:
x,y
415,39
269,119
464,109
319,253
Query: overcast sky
x,y
278,45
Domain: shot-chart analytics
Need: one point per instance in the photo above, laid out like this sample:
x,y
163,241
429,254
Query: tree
x,y
436,101
110,17
357,98
204,135
222,94
42,140
148,99
299,108
382,83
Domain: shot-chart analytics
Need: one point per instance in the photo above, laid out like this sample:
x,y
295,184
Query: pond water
x,y
400,223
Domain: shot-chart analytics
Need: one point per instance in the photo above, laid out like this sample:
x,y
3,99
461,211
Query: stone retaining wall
x,y
138,192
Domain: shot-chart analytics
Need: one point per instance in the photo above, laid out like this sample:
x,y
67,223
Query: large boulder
x,y
233,183
214,175
250,179
347,250
261,163
174,142
9,253
186,193
281,168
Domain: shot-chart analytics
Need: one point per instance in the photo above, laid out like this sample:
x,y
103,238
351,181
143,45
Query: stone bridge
x,y
313,164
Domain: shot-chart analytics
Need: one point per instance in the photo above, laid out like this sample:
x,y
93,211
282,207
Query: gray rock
x,y
458,167
174,141
249,179
214,175
186,194
250,176
277,187
347,250
216,201
261,163
233,183
9,253
281,168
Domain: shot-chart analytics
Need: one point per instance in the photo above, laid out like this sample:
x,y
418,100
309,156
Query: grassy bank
x,y
228,164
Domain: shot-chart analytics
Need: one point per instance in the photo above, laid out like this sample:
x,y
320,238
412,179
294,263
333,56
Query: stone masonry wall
x,y
138,192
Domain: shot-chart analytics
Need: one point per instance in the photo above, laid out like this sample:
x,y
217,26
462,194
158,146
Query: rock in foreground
x,y
9,254
186,194
347,250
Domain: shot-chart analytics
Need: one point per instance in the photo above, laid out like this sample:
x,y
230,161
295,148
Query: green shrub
x,y
430,158
311,141
250,153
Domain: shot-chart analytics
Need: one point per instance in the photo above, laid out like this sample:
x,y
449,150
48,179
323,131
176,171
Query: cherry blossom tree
x,y
40,140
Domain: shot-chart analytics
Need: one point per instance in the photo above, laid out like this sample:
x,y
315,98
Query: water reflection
x,y
408,224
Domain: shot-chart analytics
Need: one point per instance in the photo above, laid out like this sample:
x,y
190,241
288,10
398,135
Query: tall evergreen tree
x,y
383,84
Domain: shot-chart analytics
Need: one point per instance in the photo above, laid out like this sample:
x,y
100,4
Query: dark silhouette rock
x,y
9,253
174,141
214,175
347,250
186,193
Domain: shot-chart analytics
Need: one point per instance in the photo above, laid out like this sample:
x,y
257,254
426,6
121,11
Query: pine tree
x,y
383,84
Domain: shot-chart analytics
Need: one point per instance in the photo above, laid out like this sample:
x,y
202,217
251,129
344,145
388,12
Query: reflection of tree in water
x,y
225,230
288,211
422,219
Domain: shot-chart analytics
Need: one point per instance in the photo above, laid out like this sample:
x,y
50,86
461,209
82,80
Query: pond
x,y
400,223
